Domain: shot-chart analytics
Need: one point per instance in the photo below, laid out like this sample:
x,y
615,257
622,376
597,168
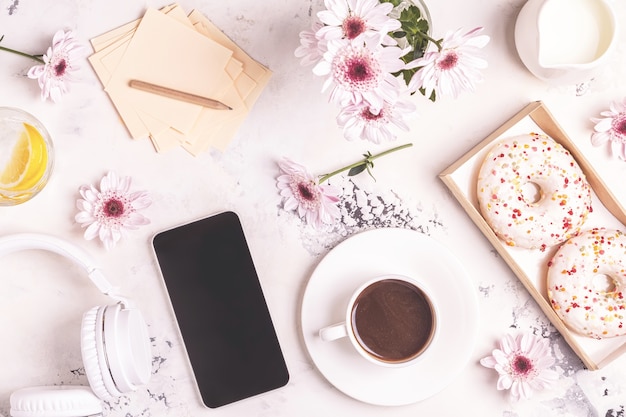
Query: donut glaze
x,y
587,283
520,219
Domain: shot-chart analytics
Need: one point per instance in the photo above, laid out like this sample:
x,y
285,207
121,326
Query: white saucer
x,y
370,254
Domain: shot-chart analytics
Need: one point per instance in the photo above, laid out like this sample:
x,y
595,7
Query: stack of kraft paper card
x,y
183,52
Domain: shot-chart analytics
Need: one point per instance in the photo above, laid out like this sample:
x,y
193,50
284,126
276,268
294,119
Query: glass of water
x,y
26,156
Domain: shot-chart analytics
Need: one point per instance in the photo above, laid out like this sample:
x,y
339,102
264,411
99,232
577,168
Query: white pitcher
x,y
565,41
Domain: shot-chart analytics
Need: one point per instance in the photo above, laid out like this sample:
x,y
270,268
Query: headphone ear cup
x,y
94,356
57,401
127,347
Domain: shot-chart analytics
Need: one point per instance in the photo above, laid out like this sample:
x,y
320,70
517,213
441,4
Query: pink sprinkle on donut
x,y
512,211
588,305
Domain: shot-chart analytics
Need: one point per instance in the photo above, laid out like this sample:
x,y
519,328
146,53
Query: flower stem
x,y
428,38
365,163
35,57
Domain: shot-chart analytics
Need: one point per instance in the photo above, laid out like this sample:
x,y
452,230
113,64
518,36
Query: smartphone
x,y
220,309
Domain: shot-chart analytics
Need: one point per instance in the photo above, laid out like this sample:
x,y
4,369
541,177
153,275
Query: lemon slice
x,y
28,163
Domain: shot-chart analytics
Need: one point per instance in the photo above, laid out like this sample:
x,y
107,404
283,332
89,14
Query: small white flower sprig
x,y
611,128
522,363
374,62
56,67
110,211
310,197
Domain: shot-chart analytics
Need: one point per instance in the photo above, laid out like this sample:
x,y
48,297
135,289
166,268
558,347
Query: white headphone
x,y
115,345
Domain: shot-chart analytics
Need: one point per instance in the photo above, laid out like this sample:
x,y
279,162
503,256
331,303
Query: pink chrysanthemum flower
x,y
316,203
612,128
311,49
109,212
59,64
522,364
360,121
361,70
349,19
454,68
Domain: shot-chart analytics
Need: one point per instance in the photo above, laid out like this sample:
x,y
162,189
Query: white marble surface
x,y
43,297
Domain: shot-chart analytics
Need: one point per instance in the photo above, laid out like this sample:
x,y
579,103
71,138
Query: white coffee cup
x,y
390,320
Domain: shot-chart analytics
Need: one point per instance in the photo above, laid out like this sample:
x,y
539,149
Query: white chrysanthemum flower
x,y
59,64
361,70
454,68
311,49
349,19
360,121
611,127
109,212
522,364
317,203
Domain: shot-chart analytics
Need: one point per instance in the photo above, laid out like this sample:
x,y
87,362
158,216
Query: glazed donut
x,y
515,165
587,283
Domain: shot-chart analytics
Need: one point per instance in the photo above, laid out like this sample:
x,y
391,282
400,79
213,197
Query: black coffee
x,y
393,320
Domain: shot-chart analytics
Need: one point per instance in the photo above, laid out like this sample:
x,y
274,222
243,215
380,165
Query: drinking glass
x,y
26,156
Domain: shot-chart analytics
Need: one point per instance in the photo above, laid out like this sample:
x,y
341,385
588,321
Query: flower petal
x,y
603,125
452,69
599,139
488,362
108,213
522,364
92,231
301,193
54,75
504,382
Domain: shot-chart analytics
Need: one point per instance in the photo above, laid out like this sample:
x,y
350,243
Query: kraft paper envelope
x,y
211,121
207,125
234,67
110,49
104,40
107,59
184,60
249,84
255,71
208,128
107,39
238,79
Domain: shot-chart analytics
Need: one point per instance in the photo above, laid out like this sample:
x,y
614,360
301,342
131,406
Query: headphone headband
x,y
25,241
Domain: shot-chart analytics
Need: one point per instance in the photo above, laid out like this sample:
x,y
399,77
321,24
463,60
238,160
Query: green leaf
x,y
414,29
433,95
407,75
357,169
410,16
422,25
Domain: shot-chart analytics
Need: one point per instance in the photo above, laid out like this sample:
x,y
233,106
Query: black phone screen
x,y
220,309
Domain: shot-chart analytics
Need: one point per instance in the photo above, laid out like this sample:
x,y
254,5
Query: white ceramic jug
x,y
565,41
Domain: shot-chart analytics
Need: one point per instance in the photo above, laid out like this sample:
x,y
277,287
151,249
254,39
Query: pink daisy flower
x,y
522,364
361,70
311,49
59,64
361,121
611,127
109,212
348,19
316,203
454,68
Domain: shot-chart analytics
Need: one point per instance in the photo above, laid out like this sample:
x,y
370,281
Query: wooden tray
x,y
530,266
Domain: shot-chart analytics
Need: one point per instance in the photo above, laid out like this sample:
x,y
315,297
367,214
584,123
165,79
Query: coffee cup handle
x,y
334,332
